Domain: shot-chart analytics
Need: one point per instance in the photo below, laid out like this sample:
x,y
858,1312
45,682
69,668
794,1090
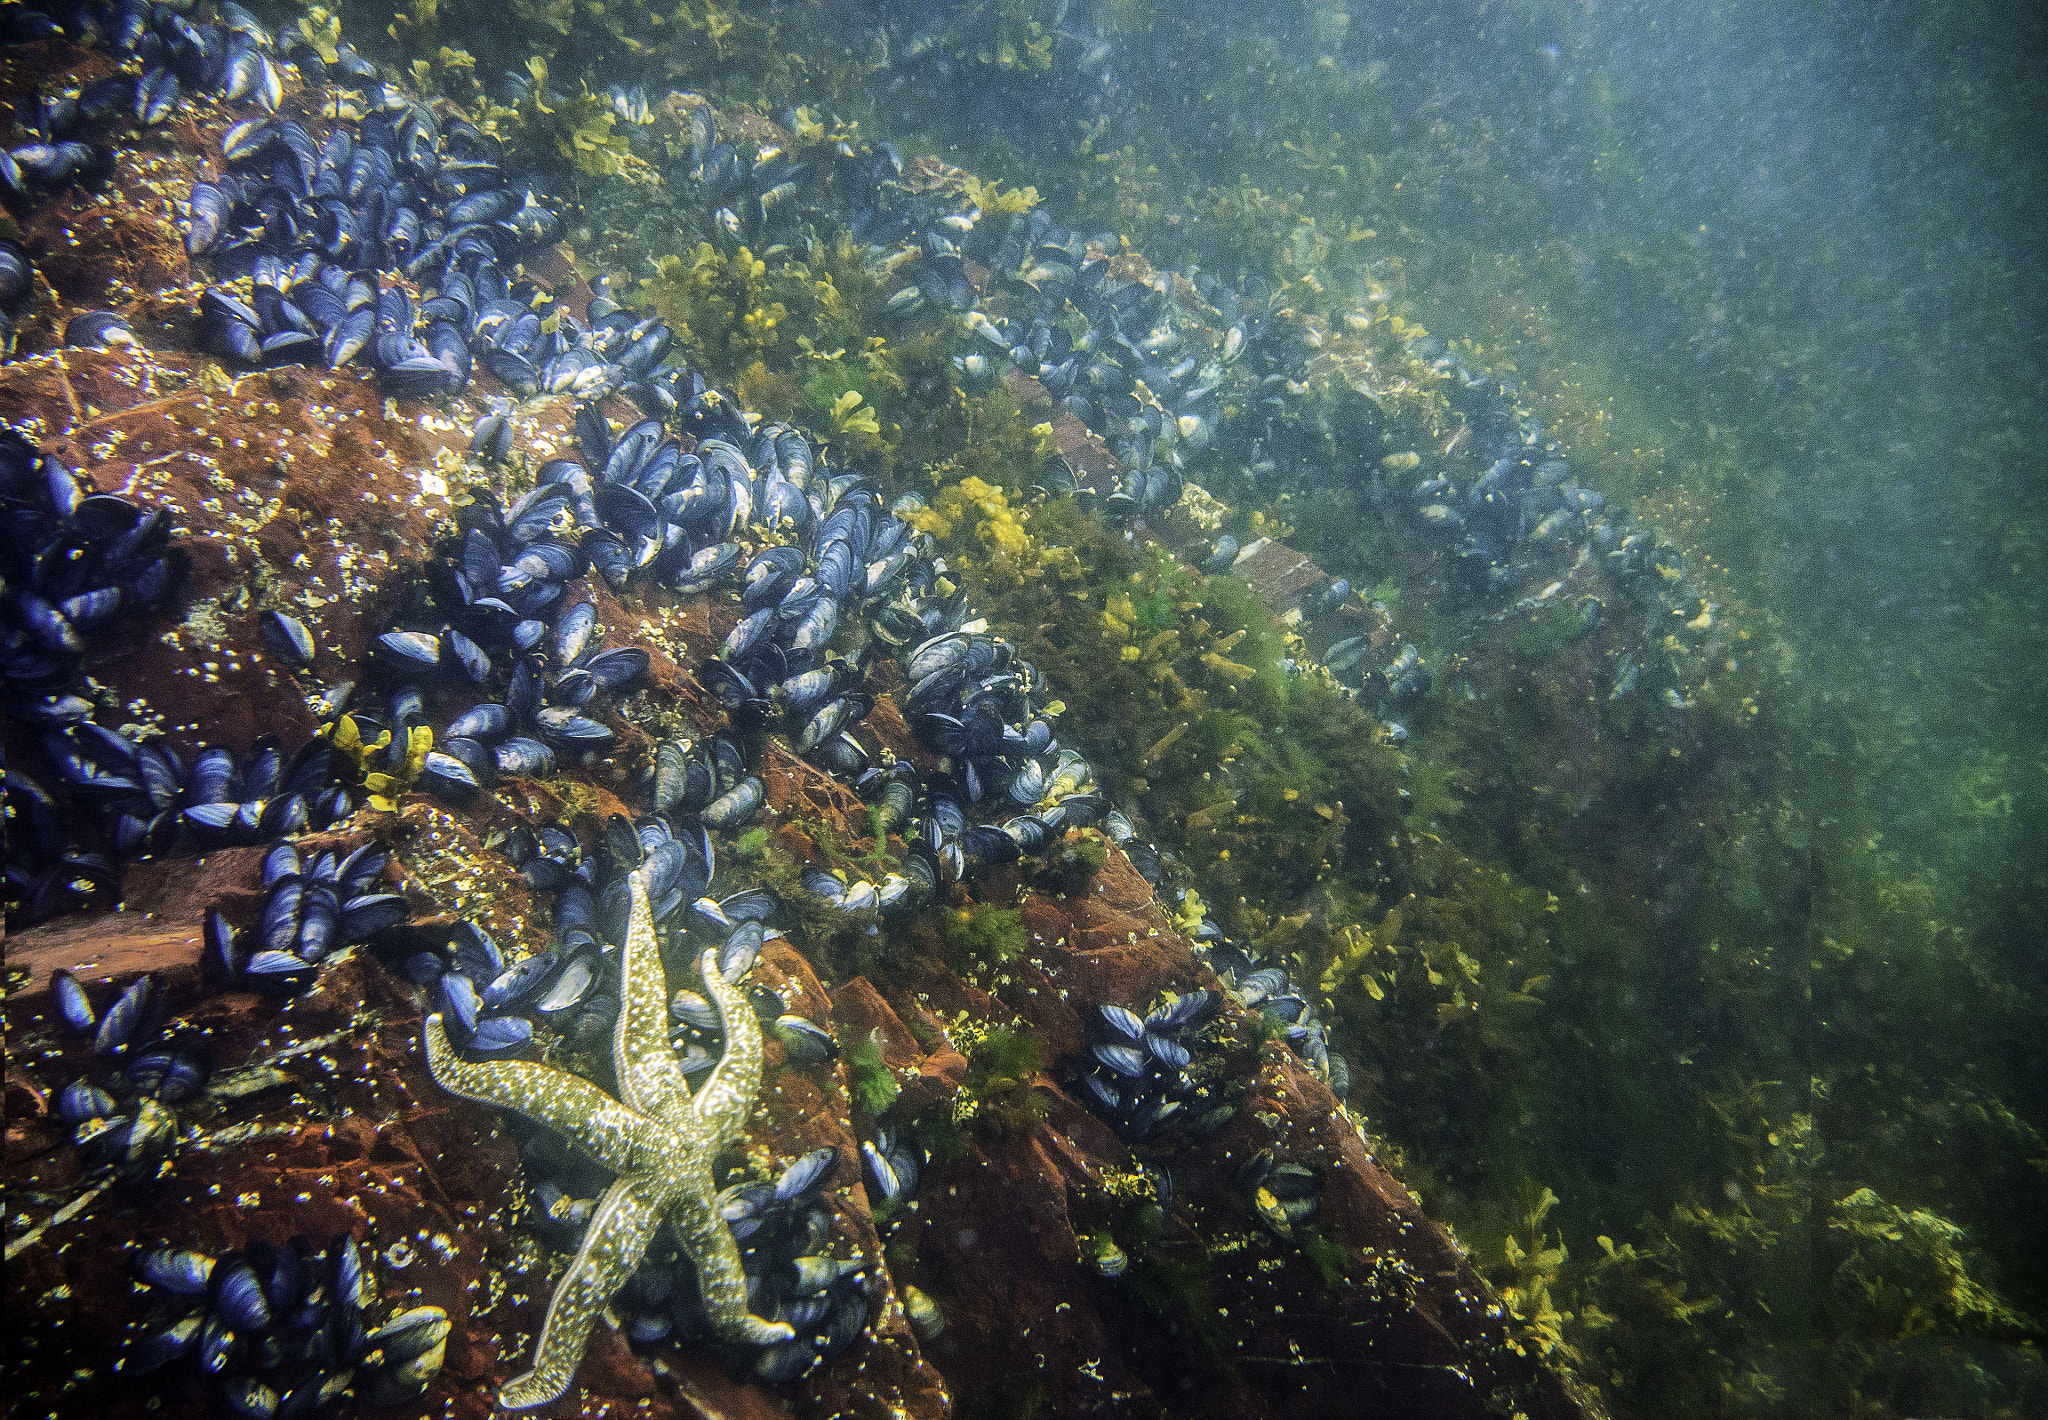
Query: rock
x,y
1277,574
359,1142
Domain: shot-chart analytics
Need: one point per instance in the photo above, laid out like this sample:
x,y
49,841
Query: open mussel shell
x,y
521,984
569,987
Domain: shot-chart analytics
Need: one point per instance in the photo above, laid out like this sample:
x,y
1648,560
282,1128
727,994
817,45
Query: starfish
x,y
657,1137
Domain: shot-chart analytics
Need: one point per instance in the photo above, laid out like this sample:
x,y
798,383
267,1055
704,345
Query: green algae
x,y
1331,1262
1072,864
873,1084
401,761
581,129
687,43
999,1097
985,932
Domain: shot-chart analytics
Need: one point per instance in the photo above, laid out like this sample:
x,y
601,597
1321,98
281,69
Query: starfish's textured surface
x,y
657,1137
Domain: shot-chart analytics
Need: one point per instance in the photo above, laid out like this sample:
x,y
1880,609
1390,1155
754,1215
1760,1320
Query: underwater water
x,y
1307,708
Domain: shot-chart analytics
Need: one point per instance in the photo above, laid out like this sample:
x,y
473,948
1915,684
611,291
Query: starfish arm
x,y
559,1099
651,1079
721,1277
727,1095
621,1227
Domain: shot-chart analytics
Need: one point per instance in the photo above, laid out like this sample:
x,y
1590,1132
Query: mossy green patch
x,y
985,932
873,1083
1327,1256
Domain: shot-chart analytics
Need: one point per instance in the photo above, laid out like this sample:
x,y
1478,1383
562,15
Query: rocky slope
x,y
308,491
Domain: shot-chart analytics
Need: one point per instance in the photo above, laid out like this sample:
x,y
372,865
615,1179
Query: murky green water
x,y
1777,271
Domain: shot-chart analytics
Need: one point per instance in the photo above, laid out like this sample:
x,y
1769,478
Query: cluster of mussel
x,y
656,512
310,911
492,594
128,1123
1266,987
283,1331
1157,361
1129,375
175,54
57,158
970,698
1156,367
1143,1073
311,224
1161,1075
766,200
73,560
493,607
491,1006
1138,1072
1523,493
1374,665
1282,1192
150,803
155,804
1483,515
1147,372
1182,374
1392,682
893,1165
1510,497
74,566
